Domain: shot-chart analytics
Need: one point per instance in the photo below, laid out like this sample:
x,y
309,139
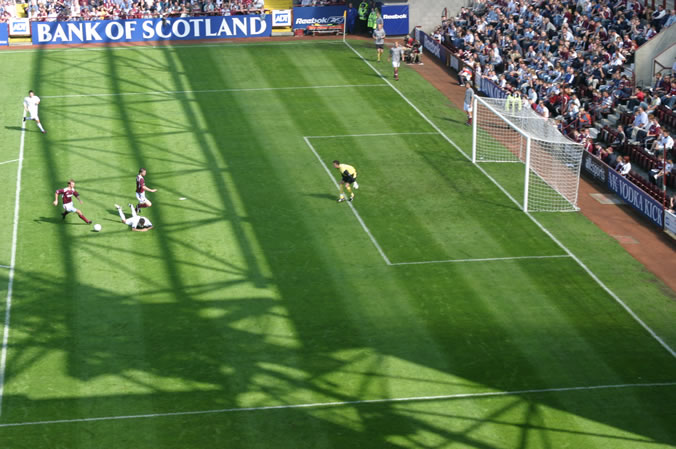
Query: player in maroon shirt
x,y
67,195
141,190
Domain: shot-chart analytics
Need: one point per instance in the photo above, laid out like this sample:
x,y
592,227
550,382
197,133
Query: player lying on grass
x,y
67,195
349,175
136,222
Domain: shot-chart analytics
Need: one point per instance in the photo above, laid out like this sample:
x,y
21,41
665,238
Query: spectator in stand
x,y
640,122
671,204
670,21
664,143
669,99
652,132
659,17
584,119
657,173
605,107
625,168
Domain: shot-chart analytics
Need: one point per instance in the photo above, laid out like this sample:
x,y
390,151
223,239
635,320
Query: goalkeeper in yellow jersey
x,y
349,175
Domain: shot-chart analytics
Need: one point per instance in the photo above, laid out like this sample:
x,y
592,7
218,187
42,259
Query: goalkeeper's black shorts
x,y
348,179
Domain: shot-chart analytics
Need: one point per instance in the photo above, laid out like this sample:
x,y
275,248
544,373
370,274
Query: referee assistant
x,y
349,174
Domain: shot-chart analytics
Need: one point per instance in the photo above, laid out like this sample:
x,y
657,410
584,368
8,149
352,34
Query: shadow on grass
x,y
222,345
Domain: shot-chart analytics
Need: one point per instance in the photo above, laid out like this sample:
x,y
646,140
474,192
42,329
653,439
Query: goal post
x,y
509,132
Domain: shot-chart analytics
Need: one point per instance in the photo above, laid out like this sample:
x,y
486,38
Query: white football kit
x,y
133,222
31,104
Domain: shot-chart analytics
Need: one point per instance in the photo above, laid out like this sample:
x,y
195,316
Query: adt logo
x,y
19,27
281,18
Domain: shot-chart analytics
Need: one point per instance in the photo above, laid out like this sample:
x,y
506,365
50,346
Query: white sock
x,y
133,210
40,126
119,211
356,185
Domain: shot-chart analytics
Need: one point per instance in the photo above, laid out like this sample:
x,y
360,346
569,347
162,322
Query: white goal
x,y
504,132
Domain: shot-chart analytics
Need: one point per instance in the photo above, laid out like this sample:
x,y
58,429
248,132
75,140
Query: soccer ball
x,y
97,227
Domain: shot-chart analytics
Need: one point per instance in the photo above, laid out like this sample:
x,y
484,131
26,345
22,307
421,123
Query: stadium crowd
x,y
64,10
570,60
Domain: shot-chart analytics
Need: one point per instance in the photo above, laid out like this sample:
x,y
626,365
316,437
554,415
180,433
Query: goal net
x,y
506,132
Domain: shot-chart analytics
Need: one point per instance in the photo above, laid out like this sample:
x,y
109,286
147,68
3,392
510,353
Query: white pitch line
x,y
488,259
528,214
457,396
9,162
212,91
5,266
153,46
12,260
372,135
356,214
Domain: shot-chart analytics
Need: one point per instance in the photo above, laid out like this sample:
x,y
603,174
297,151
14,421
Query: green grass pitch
x,y
259,312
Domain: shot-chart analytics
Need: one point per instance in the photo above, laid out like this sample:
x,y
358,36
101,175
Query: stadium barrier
x,y
142,30
442,53
395,20
445,55
304,16
4,34
630,193
670,224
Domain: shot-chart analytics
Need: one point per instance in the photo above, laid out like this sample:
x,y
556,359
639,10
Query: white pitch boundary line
x,y
456,396
153,46
9,162
212,91
372,135
5,266
10,283
356,214
528,214
488,259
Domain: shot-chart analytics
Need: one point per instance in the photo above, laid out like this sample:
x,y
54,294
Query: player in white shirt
x,y
30,104
136,222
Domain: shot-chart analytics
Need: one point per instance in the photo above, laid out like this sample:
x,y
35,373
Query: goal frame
x,y
527,157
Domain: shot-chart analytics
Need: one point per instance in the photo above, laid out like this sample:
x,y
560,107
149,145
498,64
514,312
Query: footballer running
x,y
30,104
141,189
67,195
349,175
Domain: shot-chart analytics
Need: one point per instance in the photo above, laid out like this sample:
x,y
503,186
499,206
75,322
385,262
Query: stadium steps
x,y
20,41
613,119
279,4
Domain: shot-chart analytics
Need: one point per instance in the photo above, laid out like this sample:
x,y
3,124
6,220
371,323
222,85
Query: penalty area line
x,y
212,91
338,136
12,263
457,396
487,259
9,162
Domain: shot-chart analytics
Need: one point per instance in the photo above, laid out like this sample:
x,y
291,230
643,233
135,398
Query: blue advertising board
x,y
140,30
323,15
491,89
636,197
395,20
4,34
